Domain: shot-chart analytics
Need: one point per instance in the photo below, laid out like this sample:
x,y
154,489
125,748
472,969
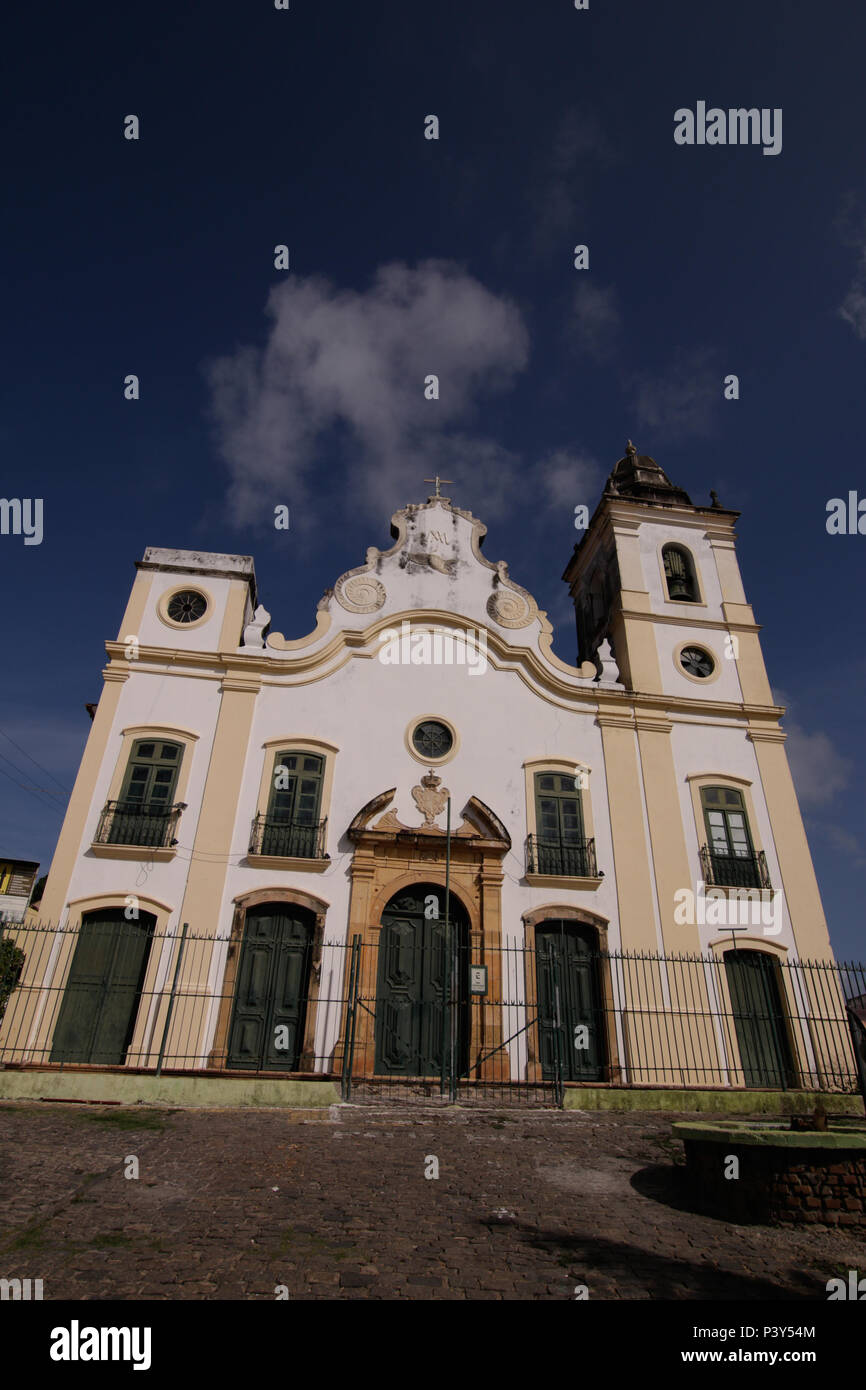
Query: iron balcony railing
x,y
151,825
735,870
288,839
574,859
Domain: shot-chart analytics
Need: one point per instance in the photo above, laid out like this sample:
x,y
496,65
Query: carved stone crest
x,y
431,802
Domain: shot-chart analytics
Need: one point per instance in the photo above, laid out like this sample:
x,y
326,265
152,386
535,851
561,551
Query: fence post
x,y
351,1013
558,1086
171,999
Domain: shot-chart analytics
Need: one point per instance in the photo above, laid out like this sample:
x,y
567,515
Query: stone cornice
x,y
575,694
690,620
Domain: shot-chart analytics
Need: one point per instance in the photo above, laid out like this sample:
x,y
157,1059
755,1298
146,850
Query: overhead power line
x,y
65,790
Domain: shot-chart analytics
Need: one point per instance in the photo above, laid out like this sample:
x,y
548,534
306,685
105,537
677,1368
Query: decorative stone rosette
x,y
510,608
359,592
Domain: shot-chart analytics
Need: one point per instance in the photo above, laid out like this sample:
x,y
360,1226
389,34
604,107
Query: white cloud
x,y
567,478
843,841
578,146
596,319
853,306
818,770
678,402
355,362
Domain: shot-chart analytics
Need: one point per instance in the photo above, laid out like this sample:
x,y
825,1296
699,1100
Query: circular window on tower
x,y
184,607
431,740
697,663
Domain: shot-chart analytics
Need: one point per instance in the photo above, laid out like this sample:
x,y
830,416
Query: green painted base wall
x,y
214,1091
711,1102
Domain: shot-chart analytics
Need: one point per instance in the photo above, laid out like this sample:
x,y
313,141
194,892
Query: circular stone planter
x,y
785,1175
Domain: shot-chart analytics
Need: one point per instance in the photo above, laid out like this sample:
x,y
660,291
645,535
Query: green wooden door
x,y
411,985
100,1001
566,953
270,1006
759,1020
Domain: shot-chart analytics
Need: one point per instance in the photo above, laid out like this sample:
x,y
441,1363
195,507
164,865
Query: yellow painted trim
x,y
278,643
161,731
720,944
145,854
729,777
273,861
556,881
119,900
315,745
635,886
521,662
232,630
800,885
136,608
71,836
439,719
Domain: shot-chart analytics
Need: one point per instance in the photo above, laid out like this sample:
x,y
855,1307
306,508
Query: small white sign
x,y
478,979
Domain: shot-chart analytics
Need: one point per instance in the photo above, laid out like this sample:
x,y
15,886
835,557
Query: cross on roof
x,y
437,480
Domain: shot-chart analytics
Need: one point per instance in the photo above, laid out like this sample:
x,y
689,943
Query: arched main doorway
x,y
270,1003
421,967
100,1002
571,1031
759,1019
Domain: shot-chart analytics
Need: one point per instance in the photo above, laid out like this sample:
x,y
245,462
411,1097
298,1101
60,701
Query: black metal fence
x,y
449,1018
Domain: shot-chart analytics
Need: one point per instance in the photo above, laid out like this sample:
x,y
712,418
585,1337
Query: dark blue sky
x,y
306,127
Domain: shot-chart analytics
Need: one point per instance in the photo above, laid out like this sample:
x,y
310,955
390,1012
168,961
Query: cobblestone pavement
x,y
335,1204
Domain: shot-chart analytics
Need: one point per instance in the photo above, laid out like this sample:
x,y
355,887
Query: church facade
x,y
421,775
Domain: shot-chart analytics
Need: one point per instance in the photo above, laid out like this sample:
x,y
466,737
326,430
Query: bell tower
x,y
659,577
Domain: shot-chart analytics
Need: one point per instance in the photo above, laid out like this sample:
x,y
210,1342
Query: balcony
x,y
275,839
734,870
560,860
142,824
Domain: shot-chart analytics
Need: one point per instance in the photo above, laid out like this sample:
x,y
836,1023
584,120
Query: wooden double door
x,y
759,1019
97,1014
272,992
422,990
571,1030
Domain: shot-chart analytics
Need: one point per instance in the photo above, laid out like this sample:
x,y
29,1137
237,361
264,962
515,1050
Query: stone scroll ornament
x,y
254,632
360,593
